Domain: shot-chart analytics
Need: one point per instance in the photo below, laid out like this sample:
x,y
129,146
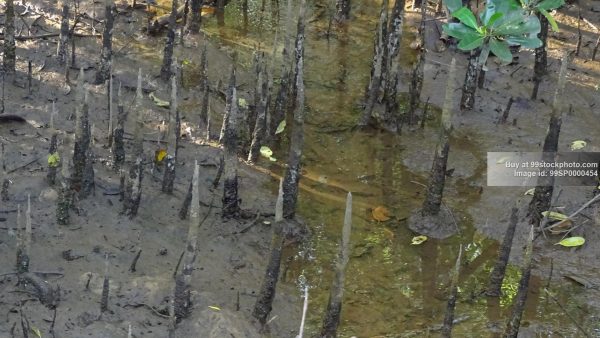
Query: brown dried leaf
x,y
381,214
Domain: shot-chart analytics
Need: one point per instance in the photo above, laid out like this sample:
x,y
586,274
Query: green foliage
x,y
503,23
543,7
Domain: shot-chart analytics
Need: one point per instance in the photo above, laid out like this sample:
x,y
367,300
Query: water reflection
x,y
392,287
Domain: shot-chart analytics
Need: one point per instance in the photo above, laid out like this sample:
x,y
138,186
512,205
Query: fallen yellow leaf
x,y
554,216
159,102
576,145
418,240
280,127
266,151
36,331
160,155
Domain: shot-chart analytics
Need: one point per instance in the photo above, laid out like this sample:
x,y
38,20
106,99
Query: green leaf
x,y
280,127
471,42
500,49
453,5
266,151
467,17
554,216
572,241
576,145
525,42
458,30
550,19
548,5
530,192
504,6
242,103
530,25
494,18
508,20
487,13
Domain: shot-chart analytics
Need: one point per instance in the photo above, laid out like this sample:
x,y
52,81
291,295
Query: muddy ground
x,y
229,262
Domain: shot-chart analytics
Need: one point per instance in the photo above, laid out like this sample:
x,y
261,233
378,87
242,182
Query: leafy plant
x,y
543,7
503,23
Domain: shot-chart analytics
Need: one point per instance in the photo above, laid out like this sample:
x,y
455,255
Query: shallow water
x,y
393,289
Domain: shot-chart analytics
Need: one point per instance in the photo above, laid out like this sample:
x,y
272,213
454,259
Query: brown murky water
x,y
393,289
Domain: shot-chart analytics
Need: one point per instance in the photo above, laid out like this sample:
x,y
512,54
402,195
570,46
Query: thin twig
x,y
178,263
250,225
23,166
152,308
570,217
545,220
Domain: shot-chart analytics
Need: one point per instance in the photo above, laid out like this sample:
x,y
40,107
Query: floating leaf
x,y
159,102
280,127
418,240
53,160
572,241
216,308
272,159
530,192
381,214
266,151
160,155
555,216
576,145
